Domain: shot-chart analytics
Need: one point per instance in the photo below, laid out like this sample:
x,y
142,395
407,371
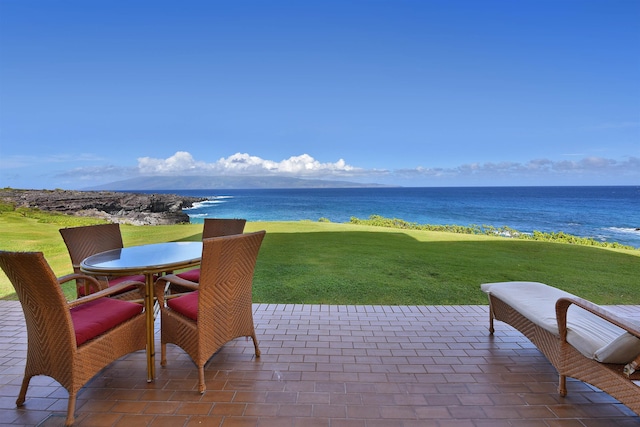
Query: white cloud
x,y
537,166
585,171
183,163
18,161
588,171
180,163
92,174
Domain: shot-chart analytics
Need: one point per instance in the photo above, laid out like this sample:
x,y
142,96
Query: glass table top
x,y
158,256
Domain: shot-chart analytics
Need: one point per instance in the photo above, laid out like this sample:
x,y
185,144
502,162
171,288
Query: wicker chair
x,y
220,310
70,341
89,240
213,227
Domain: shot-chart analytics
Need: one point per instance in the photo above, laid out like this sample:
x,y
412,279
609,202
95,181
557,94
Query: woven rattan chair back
x,y
213,227
43,303
88,240
52,348
216,227
224,301
226,287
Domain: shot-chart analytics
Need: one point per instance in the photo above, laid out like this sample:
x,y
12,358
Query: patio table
x,y
149,260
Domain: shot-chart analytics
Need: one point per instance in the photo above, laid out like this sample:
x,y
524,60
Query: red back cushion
x,y
115,280
187,305
192,275
98,316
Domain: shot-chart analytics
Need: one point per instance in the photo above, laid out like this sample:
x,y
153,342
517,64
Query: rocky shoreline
x,y
122,208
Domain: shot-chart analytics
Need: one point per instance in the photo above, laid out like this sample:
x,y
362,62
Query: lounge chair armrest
x,y
163,281
562,305
112,290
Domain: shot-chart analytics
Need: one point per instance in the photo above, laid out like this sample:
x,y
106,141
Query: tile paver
x,y
329,366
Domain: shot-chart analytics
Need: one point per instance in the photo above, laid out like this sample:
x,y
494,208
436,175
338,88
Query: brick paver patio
x,y
326,366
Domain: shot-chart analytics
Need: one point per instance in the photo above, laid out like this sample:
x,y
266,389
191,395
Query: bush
x,y
559,237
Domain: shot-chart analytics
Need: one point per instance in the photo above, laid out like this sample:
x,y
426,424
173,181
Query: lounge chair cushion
x,y
98,316
591,335
623,349
187,305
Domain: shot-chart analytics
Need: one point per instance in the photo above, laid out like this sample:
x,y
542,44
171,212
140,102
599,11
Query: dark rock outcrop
x,y
123,208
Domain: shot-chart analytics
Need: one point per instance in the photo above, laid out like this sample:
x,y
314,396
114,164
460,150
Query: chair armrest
x,y
99,285
112,290
169,279
79,276
562,305
74,276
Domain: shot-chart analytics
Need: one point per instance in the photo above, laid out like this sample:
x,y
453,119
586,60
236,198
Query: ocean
x,y
608,214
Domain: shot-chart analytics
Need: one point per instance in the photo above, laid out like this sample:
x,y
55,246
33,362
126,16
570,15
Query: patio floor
x,y
326,366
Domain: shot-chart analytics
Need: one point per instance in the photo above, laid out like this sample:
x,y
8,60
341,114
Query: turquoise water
x,y
604,213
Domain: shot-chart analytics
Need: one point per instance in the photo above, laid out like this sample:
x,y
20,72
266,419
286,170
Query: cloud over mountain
x,y
542,171
182,163
585,171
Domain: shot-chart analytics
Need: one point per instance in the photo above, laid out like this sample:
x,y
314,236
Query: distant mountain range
x,y
150,183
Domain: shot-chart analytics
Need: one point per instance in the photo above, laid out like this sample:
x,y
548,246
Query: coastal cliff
x,y
122,208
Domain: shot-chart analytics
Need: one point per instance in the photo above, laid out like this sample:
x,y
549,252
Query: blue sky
x,y
404,92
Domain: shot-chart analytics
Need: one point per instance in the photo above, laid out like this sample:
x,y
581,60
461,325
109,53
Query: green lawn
x,y
328,263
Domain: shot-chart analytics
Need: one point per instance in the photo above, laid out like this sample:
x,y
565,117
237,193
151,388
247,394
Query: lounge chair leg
x,y
491,329
562,386
23,390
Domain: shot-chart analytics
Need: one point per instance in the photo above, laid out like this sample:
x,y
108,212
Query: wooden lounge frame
x,y
568,361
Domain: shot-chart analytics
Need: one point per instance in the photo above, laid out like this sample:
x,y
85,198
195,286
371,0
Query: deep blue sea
x,y
604,213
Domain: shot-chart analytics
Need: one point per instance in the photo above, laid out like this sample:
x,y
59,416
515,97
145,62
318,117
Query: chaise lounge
x,y
581,340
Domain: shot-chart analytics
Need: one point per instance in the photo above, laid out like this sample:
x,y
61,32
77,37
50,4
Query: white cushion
x,y
591,335
535,301
623,349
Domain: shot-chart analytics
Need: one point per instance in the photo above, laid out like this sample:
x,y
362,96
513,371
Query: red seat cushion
x,y
98,316
187,305
115,280
192,275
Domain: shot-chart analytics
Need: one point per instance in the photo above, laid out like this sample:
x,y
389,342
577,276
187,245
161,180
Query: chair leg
x,y
71,409
202,387
23,390
562,385
491,329
255,344
163,354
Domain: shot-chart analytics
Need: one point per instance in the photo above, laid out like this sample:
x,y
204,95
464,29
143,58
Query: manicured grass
x,y
328,263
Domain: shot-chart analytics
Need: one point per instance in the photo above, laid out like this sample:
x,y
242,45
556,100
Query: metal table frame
x,y
149,260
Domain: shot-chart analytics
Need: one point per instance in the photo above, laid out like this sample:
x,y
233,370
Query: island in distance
x,y
170,183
